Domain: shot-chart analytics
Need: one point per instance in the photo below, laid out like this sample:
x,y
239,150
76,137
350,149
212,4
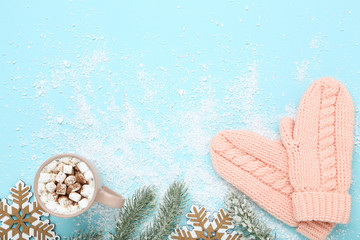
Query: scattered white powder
x,y
194,125
302,71
291,111
141,127
319,42
354,180
130,147
241,106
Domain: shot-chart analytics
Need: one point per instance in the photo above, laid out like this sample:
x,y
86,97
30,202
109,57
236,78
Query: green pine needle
x,y
138,207
170,210
245,219
86,235
133,212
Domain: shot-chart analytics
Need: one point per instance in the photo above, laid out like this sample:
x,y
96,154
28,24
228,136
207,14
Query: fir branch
x,y
133,212
243,215
172,207
87,235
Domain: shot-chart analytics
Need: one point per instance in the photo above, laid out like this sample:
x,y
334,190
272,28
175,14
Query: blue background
x,y
140,87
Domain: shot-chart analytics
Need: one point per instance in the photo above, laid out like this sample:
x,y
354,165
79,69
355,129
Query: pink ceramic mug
x,y
102,194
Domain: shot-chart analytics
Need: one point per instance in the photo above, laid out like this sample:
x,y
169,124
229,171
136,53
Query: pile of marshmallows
x,y
66,185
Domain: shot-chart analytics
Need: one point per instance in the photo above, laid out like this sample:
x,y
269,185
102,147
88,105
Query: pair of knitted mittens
x,y
303,180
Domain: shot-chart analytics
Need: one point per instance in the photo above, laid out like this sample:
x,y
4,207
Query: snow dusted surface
x,y
141,96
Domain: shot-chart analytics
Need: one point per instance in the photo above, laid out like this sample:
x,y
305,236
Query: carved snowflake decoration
x,y
204,229
22,220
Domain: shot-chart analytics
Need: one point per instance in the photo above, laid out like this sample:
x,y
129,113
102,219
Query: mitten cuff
x,y
322,206
315,230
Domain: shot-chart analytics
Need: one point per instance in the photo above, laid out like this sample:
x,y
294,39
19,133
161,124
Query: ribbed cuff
x,y
315,230
322,206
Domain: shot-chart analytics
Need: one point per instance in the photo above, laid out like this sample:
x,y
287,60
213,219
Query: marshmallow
x,y
74,208
75,161
82,167
83,203
73,188
75,196
50,187
52,177
44,177
64,201
58,168
41,188
44,198
80,178
88,175
70,180
92,184
63,210
52,206
91,195
52,165
86,190
61,189
68,169
66,160
53,196
60,177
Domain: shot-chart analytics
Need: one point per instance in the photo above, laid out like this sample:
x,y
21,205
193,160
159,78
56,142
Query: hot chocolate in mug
x,y
66,185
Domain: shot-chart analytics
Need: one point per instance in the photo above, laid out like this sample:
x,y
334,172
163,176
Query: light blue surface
x,y
140,87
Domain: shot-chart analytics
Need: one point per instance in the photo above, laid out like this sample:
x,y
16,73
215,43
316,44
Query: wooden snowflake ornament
x,y
21,220
204,229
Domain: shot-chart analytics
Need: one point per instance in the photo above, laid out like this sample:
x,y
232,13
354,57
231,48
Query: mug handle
x,y
109,198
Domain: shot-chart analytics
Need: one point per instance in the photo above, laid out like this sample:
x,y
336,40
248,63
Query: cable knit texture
x,y
319,146
259,168
304,179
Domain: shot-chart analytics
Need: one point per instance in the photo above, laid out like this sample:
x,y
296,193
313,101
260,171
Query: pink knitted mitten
x,y
259,168
267,172
319,147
